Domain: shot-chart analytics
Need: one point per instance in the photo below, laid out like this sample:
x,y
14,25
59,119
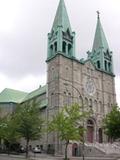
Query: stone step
x,y
93,158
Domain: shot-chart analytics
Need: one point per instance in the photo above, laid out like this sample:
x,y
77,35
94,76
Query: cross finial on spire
x,y
98,13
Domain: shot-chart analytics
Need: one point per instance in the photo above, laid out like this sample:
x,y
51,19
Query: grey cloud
x,y
24,50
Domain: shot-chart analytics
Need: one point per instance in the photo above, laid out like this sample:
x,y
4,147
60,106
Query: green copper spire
x,y
100,39
101,55
61,39
61,18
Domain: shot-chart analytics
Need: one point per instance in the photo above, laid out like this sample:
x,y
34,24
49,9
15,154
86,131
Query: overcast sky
x,y
24,25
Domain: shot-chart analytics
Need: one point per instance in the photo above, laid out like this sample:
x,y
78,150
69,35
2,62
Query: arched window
x,y
69,49
106,65
51,50
95,106
55,45
109,66
90,103
64,47
86,102
81,100
98,64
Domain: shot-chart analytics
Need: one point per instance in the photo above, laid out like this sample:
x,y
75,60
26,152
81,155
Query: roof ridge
x,y
11,89
35,93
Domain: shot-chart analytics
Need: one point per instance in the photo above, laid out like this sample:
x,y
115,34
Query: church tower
x,y
61,46
61,39
101,55
89,83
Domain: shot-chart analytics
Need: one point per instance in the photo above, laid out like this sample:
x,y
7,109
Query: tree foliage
x,y
69,124
25,122
112,123
8,129
29,122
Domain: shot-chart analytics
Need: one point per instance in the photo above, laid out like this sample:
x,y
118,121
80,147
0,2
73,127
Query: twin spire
x,y
61,18
99,39
61,40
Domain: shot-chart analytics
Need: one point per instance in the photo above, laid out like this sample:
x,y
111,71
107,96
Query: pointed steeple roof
x,y
61,18
100,39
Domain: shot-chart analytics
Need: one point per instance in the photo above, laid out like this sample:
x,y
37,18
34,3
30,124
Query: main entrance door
x,y
90,131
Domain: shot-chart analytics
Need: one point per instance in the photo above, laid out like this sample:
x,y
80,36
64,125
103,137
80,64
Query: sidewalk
x,y
48,157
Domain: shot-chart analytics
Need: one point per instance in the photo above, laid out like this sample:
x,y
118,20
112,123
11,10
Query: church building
x,y
89,82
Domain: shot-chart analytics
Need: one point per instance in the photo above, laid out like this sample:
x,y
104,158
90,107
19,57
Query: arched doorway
x,y
100,133
90,131
74,150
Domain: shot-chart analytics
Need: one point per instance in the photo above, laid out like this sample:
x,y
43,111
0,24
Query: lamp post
x,y
66,84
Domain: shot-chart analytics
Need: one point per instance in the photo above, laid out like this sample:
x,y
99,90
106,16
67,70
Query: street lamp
x,y
66,84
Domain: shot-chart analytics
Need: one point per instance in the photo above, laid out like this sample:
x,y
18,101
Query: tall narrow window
x,y
98,64
69,49
109,66
106,65
95,106
51,50
90,104
64,47
86,102
55,44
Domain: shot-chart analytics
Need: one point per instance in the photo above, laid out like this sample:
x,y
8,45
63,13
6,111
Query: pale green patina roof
x,y
10,95
35,93
61,18
100,39
15,96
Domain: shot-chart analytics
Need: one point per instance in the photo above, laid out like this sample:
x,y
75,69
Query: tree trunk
x,y
9,146
66,145
27,145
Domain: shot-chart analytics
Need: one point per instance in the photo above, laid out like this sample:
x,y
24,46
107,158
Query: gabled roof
x,y
61,18
10,95
100,39
35,93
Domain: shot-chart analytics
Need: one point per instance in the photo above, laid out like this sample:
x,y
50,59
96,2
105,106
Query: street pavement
x,y
48,157
32,157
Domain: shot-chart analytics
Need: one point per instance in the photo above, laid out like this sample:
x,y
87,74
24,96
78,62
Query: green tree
x,y
111,123
9,132
1,121
29,122
68,124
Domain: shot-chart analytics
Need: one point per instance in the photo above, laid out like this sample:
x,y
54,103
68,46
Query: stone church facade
x,y
88,82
